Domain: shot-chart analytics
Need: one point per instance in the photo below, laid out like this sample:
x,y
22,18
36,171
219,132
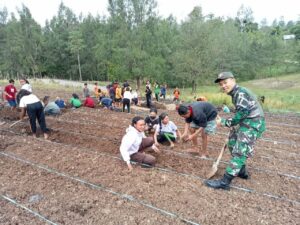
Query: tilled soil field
x,y
78,176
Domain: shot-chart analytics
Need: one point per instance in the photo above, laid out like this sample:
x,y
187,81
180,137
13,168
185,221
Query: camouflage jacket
x,y
248,113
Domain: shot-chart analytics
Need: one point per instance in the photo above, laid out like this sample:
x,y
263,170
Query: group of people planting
x,y
246,126
201,118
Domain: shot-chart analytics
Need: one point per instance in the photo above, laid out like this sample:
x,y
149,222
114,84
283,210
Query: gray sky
x,y
289,9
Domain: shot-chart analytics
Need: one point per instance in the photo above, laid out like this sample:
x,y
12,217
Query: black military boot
x,y
221,183
244,173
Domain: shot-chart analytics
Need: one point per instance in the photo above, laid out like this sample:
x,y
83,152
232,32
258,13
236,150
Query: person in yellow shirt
x,y
118,96
96,90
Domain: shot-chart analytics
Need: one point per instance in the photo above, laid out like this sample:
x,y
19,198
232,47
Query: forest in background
x,y
134,43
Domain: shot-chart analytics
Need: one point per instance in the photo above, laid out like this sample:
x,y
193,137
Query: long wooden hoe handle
x,y
221,153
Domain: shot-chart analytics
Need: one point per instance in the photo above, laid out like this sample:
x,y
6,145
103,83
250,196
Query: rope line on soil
x,y
197,157
27,209
223,133
226,163
262,170
262,139
99,187
185,174
273,141
270,140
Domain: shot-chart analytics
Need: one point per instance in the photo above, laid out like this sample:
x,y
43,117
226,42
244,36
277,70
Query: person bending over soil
x,y
200,117
35,110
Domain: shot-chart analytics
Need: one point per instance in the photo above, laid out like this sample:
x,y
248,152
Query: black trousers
x,y
148,100
126,102
36,111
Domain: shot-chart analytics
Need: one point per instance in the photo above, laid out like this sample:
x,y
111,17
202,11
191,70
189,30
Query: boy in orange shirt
x,y
176,94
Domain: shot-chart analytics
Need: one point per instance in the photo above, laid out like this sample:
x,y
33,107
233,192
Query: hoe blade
x,y
213,170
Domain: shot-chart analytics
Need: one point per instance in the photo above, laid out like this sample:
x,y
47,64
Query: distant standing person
x,y
200,117
35,110
96,90
10,92
112,93
86,91
118,97
135,97
249,124
134,142
127,99
125,84
148,93
148,84
176,94
156,91
163,91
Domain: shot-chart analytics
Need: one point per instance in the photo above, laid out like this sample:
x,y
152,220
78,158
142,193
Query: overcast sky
x,y
289,9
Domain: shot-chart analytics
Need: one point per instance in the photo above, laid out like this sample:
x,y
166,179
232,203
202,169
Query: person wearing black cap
x,y
247,125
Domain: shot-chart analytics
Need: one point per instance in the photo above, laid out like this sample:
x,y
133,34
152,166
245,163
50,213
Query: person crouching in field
x,y
75,101
89,102
60,103
249,124
200,117
134,142
151,121
35,110
166,130
50,108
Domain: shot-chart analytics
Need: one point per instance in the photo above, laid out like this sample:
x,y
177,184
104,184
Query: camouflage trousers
x,y
241,143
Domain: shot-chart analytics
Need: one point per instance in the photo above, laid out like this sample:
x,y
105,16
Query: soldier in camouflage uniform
x,y
247,125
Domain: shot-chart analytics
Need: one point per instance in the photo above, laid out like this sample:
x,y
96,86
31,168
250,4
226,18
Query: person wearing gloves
x,y
247,125
134,142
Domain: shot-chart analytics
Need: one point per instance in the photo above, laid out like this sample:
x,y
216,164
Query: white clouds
x,y
42,10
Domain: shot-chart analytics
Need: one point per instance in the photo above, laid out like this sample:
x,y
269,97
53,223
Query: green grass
x,y
282,93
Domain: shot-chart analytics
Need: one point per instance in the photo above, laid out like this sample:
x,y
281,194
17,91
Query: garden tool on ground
x,y
214,168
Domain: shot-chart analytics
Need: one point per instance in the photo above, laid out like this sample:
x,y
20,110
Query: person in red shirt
x,y
10,94
89,102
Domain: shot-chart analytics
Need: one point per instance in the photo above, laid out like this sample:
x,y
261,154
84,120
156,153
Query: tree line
x,y
134,43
